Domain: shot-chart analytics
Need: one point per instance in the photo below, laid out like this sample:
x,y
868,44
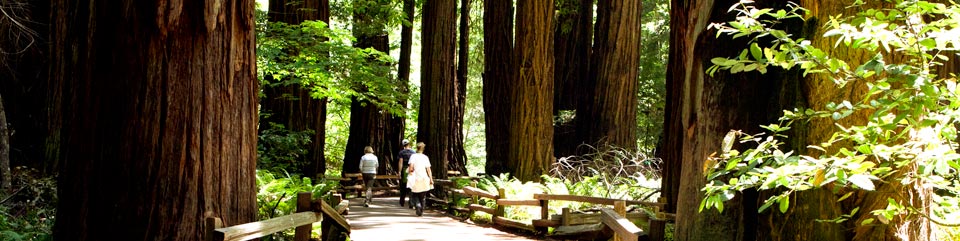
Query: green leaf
x,y
784,204
862,181
755,51
845,196
866,222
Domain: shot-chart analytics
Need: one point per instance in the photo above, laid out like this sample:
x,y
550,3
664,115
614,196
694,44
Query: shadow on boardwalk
x,y
386,220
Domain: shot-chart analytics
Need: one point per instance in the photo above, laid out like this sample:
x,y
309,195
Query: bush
x,y
277,196
28,212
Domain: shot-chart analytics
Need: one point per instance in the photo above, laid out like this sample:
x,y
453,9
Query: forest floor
x,y
386,220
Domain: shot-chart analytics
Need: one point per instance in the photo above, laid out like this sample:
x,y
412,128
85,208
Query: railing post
x,y
565,217
302,233
211,224
658,226
621,208
501,195
544,214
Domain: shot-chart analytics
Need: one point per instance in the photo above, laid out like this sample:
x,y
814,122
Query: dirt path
x,y
386,220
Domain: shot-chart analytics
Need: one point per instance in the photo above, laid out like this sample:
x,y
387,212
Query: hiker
x,y
421,178
368,167
403,165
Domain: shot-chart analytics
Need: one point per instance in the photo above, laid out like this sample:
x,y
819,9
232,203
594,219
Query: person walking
x,y
404,163
421,178
368,168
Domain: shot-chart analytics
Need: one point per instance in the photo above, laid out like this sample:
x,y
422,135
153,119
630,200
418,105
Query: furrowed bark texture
x,y
498,81
441,93
608,114
531,120
160,109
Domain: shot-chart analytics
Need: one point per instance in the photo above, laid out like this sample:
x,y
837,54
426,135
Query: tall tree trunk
x,y
531,120
370,125
608,115
817,91
702,109
498,81
291,104
403,70
573,33
441,94
462,60
160,107
5,175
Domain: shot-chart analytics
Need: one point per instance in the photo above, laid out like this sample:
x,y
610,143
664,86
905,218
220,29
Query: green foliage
x,y
28,213
655,41
909,138
277,196
280,149
322,58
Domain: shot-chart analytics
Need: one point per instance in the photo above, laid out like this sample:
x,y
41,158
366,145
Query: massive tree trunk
x,y
498,81
371,125
573,35
817,91
531,119
160,108
441,94
291,104
608,114
701,110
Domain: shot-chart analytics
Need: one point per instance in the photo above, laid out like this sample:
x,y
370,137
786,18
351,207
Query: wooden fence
x,y
567,224
333,226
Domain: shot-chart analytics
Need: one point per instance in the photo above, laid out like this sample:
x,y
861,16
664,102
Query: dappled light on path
x,y
386,220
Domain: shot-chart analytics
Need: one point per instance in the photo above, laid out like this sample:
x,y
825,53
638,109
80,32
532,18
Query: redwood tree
x,y
531,119
573,35
701,109
160,117
440,123
498,80
370,124
608,114
289,102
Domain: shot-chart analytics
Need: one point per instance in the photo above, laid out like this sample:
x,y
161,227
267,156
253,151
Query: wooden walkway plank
x,y
386,220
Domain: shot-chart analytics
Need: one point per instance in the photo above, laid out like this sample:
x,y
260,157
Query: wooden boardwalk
x,y
386,220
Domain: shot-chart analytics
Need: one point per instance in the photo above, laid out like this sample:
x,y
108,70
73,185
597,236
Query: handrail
x,y
618,220
309,212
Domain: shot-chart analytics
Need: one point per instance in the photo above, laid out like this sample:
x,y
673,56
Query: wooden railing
x,y
333,226
567,224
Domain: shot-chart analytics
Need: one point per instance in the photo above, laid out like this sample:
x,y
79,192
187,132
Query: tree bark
x,y
441,94
573,35
608,115
701,110
291,104
160,108
369,124
531,120
5,175
498,81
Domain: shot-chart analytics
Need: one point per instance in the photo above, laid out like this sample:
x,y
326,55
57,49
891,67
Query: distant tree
x,y
498,81
440,123
160,117
372,125
608,114
573,36
288,101
530,135
5,175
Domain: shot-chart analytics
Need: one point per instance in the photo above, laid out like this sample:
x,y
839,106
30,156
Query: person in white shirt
x,y
368,168
420,178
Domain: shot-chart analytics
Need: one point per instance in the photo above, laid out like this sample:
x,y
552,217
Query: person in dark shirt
x,y
404,162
